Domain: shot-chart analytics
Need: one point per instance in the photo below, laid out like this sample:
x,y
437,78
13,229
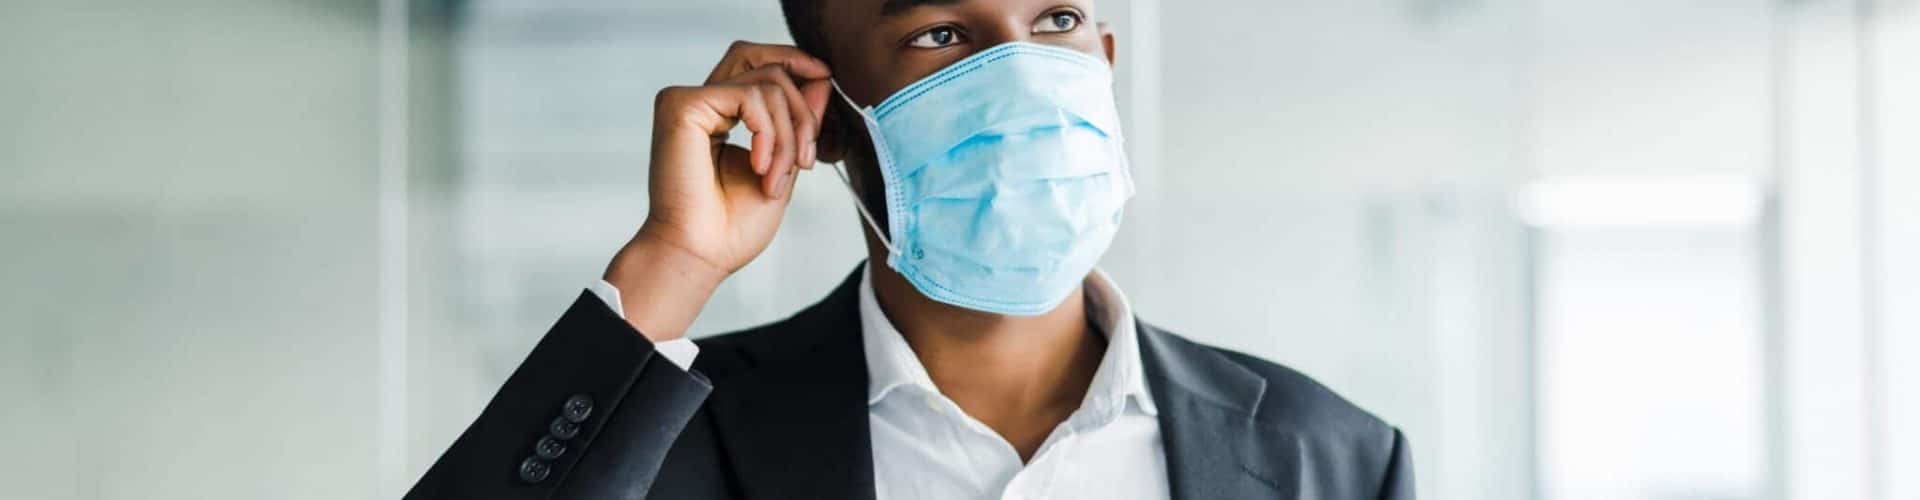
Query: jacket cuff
x,y
589,368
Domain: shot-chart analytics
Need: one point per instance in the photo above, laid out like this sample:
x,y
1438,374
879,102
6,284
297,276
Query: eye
x,y
936,38
1058,22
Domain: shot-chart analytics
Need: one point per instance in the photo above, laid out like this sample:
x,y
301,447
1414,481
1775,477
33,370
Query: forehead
x,y
839,18
831,8
835,19
871,10
888,7
832,20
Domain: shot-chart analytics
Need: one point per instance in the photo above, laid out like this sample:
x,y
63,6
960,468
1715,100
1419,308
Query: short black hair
x,y
803,22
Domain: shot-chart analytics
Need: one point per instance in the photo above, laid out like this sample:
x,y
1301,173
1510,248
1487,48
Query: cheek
x,y
895,68
913,66
1090,42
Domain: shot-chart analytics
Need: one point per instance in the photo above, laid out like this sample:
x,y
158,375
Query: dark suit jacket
x,y
780,412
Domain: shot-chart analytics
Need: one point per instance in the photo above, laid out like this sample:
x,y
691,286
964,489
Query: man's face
x,y
878,47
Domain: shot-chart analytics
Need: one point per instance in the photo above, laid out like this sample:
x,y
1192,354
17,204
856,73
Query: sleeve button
x,y
533,470
577,408
563,428
549,448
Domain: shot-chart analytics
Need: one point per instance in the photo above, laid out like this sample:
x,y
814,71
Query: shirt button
x,y
577,408
933,403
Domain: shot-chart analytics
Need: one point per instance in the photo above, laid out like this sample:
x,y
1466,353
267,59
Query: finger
x,y
751,108
713,109
785,149
786,189
806,120
733,176
744,56
814,96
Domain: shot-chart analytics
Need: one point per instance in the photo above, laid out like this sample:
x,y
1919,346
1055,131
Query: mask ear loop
x,y
840,168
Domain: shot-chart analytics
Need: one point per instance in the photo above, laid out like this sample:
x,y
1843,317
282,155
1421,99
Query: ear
x,y
1106,39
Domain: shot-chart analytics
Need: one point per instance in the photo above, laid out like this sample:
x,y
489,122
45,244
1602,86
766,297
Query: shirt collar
x,y
891,364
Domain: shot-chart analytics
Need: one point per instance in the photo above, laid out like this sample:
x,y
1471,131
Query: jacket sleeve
x,y
1398,484
593,407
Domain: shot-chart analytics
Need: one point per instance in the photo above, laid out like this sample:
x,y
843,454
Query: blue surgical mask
x,y
1004,174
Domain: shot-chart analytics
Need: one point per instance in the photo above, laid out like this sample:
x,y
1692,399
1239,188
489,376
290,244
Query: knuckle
x,y
772,74
667,96
777,72
739,45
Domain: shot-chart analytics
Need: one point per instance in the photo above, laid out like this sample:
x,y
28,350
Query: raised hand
x,y
713,206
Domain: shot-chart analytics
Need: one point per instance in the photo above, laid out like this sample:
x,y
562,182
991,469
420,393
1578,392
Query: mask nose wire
x,y
840,168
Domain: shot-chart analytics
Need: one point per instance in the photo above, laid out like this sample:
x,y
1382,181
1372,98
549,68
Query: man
x,y
977,354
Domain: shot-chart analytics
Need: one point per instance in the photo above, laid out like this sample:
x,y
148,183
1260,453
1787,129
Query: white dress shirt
x,y
925,447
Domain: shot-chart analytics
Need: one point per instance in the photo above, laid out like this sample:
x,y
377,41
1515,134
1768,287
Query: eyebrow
x,y
897,7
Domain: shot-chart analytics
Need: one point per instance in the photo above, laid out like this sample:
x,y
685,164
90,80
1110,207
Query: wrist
x,y
662,287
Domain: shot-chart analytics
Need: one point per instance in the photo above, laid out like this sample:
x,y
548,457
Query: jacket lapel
x,y
795,425
1215,446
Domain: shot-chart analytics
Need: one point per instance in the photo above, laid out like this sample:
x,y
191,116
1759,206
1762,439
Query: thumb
x,y
816,94
833,131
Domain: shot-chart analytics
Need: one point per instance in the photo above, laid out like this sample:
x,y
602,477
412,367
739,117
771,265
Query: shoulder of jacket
x,y
1296,401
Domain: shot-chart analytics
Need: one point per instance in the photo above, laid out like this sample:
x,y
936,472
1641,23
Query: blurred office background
x,y
1577,249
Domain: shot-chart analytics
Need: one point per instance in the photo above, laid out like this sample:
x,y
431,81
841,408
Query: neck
x,y
1020,375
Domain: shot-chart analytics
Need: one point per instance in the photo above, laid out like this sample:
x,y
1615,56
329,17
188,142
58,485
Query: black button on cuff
x,y
549,448
534,470
577,408
563,428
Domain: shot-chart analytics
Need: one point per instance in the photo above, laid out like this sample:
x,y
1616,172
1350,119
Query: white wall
x,y
1895,44
1329,197
186,249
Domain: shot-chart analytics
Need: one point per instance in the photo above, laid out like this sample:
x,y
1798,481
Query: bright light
x,y
1641,201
